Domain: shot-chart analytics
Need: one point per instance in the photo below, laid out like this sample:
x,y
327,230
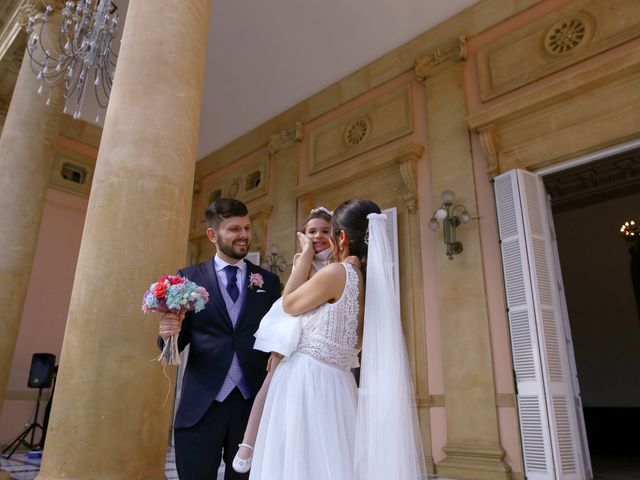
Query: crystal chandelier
x,y
630,230
82,49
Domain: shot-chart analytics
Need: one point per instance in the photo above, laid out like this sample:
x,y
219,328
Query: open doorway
x,y
589,203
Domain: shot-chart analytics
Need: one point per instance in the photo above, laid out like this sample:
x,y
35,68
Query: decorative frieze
x,y
245,184
453,52
586,110
561,38
402,159
295,134
593,181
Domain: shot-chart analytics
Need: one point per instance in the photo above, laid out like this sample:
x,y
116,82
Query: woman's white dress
x,y
307,430
279,331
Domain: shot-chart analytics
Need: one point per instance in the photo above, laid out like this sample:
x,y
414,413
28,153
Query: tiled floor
x,y
24,466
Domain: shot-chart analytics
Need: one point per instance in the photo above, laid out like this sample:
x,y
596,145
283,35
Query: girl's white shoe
x,y
242,465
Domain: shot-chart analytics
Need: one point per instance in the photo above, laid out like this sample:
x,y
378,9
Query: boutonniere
x,y
256,280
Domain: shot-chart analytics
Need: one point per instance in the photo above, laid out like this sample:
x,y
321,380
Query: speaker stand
x,y
29,431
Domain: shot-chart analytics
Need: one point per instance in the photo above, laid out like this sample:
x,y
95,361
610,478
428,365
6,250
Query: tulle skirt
x,y
278,331
307,430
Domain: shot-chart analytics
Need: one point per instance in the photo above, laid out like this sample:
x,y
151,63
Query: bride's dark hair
x,y
351,216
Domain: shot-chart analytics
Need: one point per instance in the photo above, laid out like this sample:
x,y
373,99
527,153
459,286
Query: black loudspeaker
x,y
41,372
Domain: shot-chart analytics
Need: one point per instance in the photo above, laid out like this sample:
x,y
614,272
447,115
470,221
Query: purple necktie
x,y
232,285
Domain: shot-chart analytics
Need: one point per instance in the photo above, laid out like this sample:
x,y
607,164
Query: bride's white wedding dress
x,y
308,427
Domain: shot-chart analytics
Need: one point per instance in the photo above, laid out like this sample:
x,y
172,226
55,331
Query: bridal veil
x,y
388,441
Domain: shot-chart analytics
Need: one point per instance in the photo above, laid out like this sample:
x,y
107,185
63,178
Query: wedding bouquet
x,y
176,294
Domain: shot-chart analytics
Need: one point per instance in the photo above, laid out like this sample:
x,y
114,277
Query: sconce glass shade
x,y
441,214
448,197
274,249
434,225
465,216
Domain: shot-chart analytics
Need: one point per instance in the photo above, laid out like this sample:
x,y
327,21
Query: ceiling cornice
x,y
475,19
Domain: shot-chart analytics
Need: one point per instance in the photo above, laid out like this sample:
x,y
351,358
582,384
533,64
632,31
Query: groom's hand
x,y
170,324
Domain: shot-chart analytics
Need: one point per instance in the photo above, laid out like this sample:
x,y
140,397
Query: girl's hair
x,y
318,212
351,217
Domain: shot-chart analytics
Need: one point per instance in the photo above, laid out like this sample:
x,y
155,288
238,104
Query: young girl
x,y
279,333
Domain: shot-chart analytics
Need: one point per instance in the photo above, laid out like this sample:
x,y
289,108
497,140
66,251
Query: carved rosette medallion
x,y
357,131
566,35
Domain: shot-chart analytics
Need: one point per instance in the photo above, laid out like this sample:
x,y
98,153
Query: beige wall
x,y
45,311
525,109
318,169
538,115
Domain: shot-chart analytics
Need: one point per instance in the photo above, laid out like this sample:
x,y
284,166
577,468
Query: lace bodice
x,y
330,332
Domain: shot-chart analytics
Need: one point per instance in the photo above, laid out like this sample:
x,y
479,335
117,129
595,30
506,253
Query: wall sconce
x,y
275,262
450,221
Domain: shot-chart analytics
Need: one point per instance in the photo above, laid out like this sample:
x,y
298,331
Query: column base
x,y
428,460
474,462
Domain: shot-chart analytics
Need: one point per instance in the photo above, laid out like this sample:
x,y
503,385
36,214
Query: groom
x,y
223,372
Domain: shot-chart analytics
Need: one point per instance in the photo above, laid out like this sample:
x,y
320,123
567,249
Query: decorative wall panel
x,y
245,184
560,39
381,121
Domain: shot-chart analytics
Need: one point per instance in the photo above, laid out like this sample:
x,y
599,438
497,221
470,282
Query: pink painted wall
x,y
501,352
430,246
45,312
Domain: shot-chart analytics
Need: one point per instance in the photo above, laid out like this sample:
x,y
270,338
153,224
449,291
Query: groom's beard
x,y
234,251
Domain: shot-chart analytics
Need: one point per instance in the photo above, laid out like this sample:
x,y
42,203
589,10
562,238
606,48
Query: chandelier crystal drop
x,y
80,55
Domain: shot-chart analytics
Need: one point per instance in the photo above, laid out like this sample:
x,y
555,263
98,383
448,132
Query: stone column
x,y
26,157
111,409
473,443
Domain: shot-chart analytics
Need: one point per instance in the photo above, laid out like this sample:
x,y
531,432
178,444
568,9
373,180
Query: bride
x,y
317,424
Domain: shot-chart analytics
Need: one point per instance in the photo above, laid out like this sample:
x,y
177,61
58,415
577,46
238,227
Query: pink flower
x,y
255,279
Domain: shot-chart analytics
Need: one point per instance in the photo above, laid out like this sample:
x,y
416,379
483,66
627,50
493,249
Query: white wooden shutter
x,y
548,420
573,369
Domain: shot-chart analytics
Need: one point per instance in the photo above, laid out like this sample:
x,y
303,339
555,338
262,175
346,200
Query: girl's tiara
x,y
321,209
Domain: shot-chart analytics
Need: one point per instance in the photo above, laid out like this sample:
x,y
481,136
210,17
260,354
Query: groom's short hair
x,y
224,208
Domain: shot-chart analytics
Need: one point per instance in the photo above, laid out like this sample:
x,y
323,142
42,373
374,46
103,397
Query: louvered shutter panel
x,y
548,422
573,369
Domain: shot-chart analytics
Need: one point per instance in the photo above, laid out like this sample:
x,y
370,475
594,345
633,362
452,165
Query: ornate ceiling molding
x,y
607,178
294,134
453,52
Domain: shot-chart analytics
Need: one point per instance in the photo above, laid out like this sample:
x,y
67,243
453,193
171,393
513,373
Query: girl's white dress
x,y
307,430
279,331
